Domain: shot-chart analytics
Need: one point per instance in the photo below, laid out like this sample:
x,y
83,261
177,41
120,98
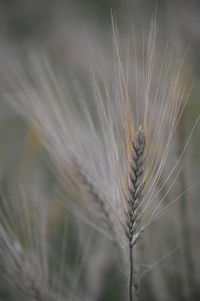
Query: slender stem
x,y
131,273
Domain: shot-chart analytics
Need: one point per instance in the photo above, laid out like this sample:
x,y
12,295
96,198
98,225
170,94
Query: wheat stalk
x,y
133,212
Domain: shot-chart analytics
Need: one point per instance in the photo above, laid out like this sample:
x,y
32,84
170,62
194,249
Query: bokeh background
x,y
65,31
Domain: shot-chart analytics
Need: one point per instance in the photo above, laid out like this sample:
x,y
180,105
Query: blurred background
x,y
70,32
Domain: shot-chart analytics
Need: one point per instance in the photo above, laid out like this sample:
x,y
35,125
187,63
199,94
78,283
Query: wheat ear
x,y
98,199
133,212
18,269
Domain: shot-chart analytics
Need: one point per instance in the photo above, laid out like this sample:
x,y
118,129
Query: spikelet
x,y
100,201
23,272
133,211
22,244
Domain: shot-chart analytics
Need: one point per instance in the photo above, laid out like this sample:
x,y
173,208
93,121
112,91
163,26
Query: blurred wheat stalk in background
x,y
110,146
